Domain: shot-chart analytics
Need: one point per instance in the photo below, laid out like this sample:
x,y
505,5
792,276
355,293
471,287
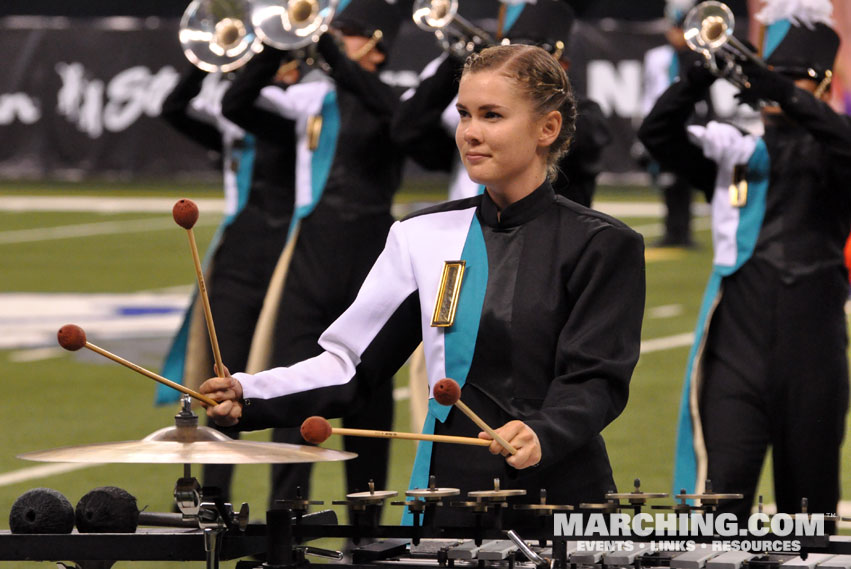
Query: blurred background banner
x,y
81,96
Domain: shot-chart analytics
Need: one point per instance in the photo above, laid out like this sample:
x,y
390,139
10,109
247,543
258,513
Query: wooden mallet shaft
x,y
185,214
152,375
72,338
205,300
316,430
409,436
484,426
448,392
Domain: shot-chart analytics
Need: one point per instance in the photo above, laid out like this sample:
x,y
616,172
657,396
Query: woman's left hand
x,y
522,438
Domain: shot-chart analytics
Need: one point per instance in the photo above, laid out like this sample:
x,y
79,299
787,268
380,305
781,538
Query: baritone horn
x,y
454,32
217,35
708,29
291,24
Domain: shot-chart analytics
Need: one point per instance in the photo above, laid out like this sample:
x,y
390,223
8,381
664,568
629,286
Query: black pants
x,y
775,374
331,260
242,268
678,213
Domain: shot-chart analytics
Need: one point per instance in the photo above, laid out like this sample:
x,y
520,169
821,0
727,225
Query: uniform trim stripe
x,y
459,345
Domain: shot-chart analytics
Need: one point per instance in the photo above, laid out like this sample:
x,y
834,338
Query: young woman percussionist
x,y
548,322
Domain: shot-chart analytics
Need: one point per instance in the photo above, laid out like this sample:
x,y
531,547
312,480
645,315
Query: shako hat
x,y
546,23
799,40
365,17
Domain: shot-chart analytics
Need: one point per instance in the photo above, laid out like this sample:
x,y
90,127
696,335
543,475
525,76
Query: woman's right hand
x,y
228,392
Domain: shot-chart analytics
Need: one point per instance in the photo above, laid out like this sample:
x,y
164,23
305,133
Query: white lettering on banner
x,y
19,106
617,89
95,106
212,91
70,96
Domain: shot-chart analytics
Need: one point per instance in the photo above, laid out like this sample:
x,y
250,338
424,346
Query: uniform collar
x,y
520,211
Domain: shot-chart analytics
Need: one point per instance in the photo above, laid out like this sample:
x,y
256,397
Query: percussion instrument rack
x,y
280,542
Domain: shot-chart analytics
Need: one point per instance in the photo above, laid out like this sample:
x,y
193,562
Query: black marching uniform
x,y
773,368
340,237
547,331
251,244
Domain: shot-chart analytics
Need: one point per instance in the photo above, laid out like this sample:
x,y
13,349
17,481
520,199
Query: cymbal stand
x,y
423,504
365,508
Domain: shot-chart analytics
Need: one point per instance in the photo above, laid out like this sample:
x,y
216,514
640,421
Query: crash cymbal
x,y
189,445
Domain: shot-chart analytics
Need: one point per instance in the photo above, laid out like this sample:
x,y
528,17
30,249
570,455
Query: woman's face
x,y
503,143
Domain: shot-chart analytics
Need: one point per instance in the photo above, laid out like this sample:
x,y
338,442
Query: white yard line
x,y
401,393
103,204
36,472
91,229
657,229
665,311
667,343
36,355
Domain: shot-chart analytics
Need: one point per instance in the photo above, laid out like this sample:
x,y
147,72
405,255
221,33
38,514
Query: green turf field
x,y
54,398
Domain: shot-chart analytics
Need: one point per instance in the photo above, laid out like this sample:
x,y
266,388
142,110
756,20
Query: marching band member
x,y
769,363
547,328
347,173
259,177
663,65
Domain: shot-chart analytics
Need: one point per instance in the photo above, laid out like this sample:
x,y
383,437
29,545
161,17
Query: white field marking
x,y
401,393
658,229
30,320
665,311
104,204
644,209
36,472
667,343
35,355
92,229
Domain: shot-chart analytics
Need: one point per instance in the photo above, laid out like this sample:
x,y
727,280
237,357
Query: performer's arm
x,y
239,103
349,75
598,346
364,346
176,111
831,129
417,126
664,133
